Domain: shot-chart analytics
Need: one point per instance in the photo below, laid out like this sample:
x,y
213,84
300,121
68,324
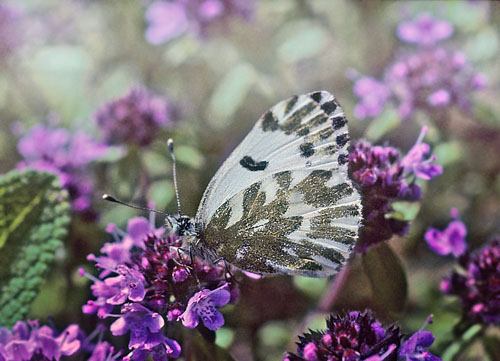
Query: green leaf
x,y
404,211
387,277
34,216
383,124
230,94
203,350
301,40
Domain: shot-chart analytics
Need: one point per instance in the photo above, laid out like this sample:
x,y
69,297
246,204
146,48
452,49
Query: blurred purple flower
x,y
202,305
385,177
432,78
169,19
476,282
355,336
425,30
450,240
373,95
68,156
136,118
25,343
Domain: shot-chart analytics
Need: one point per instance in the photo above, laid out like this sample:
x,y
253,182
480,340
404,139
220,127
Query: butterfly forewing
x,y
282,202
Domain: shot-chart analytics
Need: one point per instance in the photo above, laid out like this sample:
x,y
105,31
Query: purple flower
x,y
414,348
144,326
431,78
202,305
476,281
169,19
425,30
450,240
68,156
385,177
355,336
25,344
136,118
418,162
129,285
157,280
373,95
166,20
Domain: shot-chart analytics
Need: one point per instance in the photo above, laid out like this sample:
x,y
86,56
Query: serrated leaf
x,y
34,216
387,277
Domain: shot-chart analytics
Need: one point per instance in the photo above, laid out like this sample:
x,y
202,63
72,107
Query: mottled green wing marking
x,y
305,227
34,216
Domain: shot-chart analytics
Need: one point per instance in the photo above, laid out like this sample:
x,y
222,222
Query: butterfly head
x,y
181,225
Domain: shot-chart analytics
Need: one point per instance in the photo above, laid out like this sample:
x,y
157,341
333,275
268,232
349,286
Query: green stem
x,y
468,336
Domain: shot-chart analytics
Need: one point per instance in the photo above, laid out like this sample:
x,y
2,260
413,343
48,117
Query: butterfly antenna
x,y
108,198
170,144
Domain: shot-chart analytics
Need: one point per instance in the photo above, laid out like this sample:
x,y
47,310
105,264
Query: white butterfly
x,y
282,202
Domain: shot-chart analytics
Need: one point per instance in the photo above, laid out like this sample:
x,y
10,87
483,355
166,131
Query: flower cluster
x,y
135,118
155,284
385,177
28,341
477,283
67,155
169,19
450,240
358,336
428,79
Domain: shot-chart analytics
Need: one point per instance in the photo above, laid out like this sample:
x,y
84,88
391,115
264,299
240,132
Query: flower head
x,y
136,118
425,30
355,336
358,336
68,156
169,19
450,240
373,95
431,79
476,282
155,284
385,177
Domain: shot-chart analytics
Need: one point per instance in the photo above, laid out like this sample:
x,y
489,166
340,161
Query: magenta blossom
x,y
425,30
202,305
25,343
450,240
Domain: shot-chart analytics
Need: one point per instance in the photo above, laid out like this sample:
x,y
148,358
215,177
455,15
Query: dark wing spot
x,y
306,149
329,107
338,122
342,139
269,123
302,132
316,96
248,163
342,159
291,104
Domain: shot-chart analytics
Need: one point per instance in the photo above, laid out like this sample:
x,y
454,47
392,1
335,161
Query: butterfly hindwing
x,y
282,201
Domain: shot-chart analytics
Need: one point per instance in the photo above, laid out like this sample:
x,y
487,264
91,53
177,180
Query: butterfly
x,y
282,202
